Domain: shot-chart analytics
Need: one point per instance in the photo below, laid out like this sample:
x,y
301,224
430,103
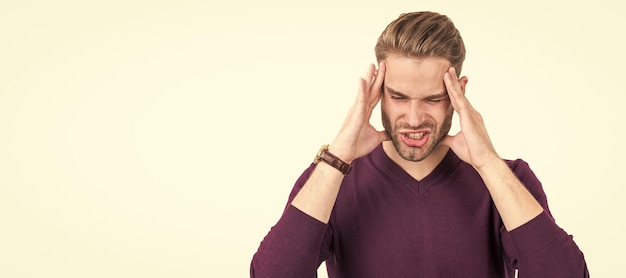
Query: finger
x,y
455,80
377,84
370,73
360,96
380,76
364,85
365,81
457,97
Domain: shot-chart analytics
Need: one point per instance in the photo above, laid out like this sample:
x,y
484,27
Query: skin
x,y
416,81
415,103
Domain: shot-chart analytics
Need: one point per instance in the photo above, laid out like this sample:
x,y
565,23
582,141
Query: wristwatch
x,y
324,155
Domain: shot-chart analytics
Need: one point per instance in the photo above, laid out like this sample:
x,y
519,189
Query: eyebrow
x,y
435,96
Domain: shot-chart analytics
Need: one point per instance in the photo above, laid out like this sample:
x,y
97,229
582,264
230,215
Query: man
x,y
413,201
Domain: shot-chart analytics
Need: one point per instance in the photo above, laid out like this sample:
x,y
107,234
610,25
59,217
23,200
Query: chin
x,y
413,154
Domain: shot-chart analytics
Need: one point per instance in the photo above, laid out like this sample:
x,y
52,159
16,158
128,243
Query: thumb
x,y
457,144
449,140
383,136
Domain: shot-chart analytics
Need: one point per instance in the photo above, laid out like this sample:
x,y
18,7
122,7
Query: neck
x,y
417,169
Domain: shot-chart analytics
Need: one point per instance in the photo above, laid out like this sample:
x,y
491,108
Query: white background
x,y
162,138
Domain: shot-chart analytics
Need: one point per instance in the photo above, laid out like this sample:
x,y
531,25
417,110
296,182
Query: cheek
x,y
438,109
445,106
441,111
392,111
395,107
387,108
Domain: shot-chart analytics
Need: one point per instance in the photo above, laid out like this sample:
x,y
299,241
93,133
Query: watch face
x,y
318,156
330,159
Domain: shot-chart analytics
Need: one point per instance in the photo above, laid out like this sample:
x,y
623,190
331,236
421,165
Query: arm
x,y
472,144
356,138
542,247
294,247
297,244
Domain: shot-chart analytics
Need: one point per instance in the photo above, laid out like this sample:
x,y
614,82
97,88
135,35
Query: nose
x,y
415,115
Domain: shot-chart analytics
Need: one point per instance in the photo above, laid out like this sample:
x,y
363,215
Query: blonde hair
x,y
422,34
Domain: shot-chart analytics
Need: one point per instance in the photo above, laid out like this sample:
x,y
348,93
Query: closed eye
x,y
397,97
437,100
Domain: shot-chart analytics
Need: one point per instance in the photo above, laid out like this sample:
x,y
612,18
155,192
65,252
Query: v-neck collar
x,y
447,165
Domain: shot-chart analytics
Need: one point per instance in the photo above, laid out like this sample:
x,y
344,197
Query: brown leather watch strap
x,y
332,160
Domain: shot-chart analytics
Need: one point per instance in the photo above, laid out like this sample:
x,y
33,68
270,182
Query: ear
x,y
462,83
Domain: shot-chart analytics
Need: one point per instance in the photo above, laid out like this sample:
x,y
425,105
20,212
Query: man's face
x,y
416,109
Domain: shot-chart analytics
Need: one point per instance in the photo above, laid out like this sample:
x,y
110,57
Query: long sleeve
x,y
542,248
545,250
385,223
295,246
291,248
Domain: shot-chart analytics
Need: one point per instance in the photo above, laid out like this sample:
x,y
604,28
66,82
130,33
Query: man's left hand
x,y
472,143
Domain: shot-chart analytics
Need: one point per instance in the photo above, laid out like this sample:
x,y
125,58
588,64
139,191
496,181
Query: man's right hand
x,y
357,136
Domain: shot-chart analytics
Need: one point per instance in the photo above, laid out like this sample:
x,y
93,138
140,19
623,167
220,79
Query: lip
x,y
414,131
407,132
415,143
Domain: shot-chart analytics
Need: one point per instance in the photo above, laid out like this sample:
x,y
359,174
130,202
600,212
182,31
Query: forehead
x,y
415,76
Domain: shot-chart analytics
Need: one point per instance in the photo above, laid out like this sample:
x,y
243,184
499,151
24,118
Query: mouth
x,y
416,139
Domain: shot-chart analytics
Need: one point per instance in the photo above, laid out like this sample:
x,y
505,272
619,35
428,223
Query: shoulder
x,y
520,167
528,178
516,164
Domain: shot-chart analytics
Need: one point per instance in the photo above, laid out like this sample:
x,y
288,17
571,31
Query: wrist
x,y
340,153
326,156
492,164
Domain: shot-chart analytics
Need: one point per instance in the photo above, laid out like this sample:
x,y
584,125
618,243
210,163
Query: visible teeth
x,y
418,136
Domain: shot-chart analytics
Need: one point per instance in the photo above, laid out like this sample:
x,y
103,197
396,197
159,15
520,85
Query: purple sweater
x,y
387,224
